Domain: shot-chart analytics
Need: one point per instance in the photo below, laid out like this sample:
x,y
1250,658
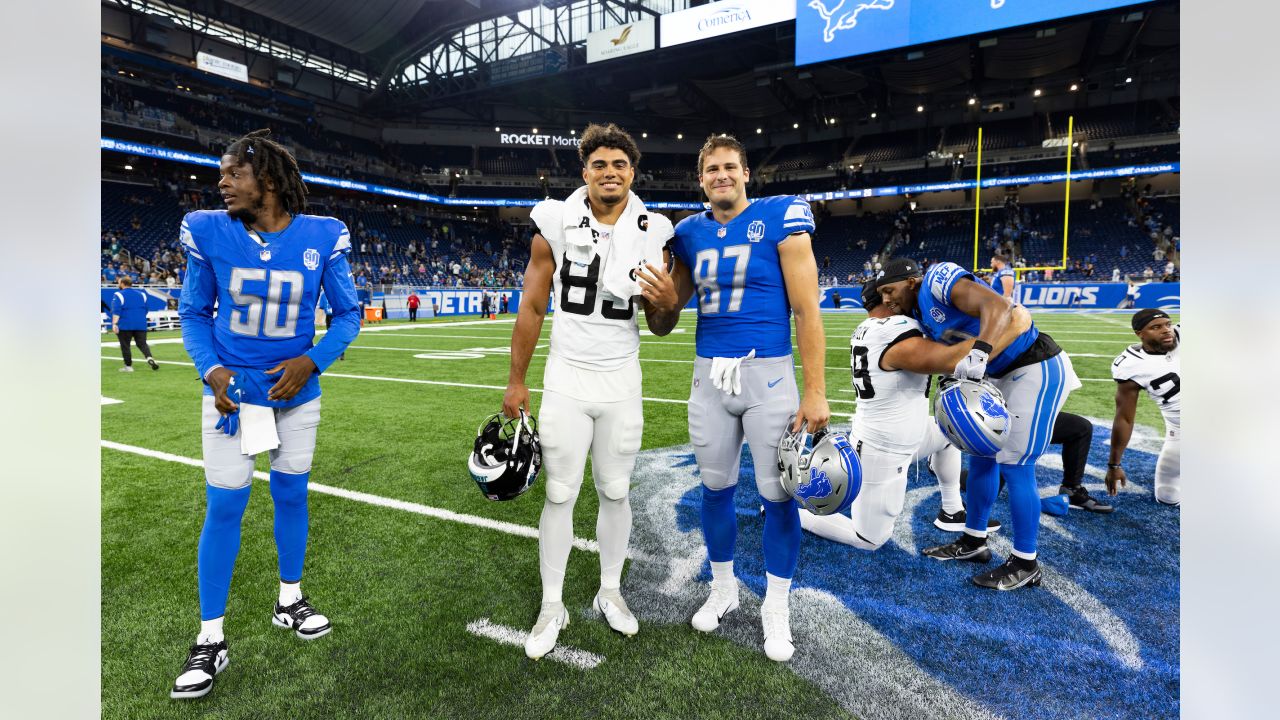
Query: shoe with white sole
x,y
615,611
775,617
302,619
152,362
542,639
127,368
722,601
204,661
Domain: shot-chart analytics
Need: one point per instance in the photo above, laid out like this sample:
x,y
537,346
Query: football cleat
x,y
722,601
954,522
204,661
506,457
127,368
302,619
972,415
1082,500
959,551
152,362
1010,576
542,639
775,618
615,612
822,472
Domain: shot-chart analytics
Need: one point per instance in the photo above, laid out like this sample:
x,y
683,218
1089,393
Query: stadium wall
x,y
1103,296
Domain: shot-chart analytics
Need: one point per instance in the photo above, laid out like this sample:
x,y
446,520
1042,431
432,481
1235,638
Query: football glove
x,y
726,373
972,366
230,424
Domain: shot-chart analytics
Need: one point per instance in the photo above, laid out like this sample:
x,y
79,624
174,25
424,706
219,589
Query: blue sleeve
x,y
798,217
199,293
115,303
341,293
942,278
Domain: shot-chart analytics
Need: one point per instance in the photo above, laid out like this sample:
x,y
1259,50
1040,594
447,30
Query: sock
x,y
1024,507
969,540
219,545
289,494
782,535
719,523
722,572
613,533
1021,561
210,631
555,540
946,466
983,484
777,589
290,593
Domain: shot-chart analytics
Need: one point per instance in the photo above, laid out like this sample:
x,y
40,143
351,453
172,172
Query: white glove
x,y
726,373
972,366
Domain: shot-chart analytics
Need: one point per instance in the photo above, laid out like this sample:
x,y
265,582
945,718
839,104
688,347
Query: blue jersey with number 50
x,y
265,294
742,298
945,323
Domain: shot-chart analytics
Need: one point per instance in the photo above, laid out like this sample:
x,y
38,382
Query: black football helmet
x,y
507,456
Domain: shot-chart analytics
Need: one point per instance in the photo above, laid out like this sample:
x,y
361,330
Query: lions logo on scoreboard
x,y
311,259
755,231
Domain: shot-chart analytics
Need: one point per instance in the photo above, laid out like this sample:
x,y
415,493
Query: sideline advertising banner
x,y
623,40
722,18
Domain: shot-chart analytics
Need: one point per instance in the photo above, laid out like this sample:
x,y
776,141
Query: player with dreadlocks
x,y
262,264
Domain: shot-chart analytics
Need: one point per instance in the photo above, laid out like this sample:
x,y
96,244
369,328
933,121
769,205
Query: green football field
x,y
426,581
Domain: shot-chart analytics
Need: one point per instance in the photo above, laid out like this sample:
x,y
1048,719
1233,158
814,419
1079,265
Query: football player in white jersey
x,y
1150,365
587,248
891,362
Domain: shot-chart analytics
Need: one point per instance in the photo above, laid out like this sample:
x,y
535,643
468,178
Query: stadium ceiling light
x,y
974,101
128,167
1128,79
535,131
644,134
497,129
1074,87
873,116
679,136
795,126
759,131
193,177
1037,92
919,108
573,132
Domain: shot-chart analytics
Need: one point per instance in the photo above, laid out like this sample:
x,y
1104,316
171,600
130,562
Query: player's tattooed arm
x,y
664,294
524,337
1127,392
800,274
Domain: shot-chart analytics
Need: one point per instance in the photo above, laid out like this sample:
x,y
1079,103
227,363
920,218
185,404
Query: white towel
x,y
635,242
257,429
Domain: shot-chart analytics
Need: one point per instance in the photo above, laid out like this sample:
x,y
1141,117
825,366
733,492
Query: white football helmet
x,y
824,478
973,416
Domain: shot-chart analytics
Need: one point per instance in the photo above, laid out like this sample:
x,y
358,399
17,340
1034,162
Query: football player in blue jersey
x,y
1033,374
751,264
1003,280
255,272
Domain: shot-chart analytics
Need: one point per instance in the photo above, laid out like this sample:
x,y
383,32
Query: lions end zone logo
x,y
880,632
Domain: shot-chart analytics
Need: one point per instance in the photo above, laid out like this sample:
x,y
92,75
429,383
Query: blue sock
x,y
1024,505
719,523
781,537
981,488
289,493
219,545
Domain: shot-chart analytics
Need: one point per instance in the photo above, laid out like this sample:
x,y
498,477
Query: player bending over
x,y
752,265
585,249
262,265
1033,374
1150,365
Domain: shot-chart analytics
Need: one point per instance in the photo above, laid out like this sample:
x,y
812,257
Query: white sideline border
x,y
486,628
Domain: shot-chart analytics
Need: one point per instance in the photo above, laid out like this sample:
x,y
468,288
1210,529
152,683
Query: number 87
x,y
705,270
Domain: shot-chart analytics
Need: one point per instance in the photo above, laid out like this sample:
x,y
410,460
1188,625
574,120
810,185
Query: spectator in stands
x,y
413,306
129,322
1148,274
1115,274
1170,271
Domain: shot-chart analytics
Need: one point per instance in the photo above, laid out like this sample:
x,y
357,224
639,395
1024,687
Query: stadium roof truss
x,y
512,47
205,25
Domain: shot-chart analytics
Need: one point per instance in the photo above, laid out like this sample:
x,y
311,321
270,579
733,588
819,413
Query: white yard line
x,y
486,628
110,401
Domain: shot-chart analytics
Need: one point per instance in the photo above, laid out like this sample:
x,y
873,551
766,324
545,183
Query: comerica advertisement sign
x,y
219,66
723,18
623,40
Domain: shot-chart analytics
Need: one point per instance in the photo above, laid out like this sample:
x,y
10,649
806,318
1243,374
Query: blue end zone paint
x,y
1024,654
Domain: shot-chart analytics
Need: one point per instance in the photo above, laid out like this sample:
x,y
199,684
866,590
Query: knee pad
x,y
615,489
229,476
563,491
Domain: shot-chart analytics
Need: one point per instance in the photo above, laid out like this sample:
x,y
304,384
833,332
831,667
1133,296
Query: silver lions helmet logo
x,y
311,259
755,231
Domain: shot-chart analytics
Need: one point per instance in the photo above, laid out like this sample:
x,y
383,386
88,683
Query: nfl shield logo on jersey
x,y
938,315
755,231
311,259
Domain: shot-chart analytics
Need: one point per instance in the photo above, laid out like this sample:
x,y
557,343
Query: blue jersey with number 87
x,y
737,277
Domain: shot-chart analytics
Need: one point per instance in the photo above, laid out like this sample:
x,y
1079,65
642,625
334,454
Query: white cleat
x,y
615,611
542,639
776,620
127,368
722,601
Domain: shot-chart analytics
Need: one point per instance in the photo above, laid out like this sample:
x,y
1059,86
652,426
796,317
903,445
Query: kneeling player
x,y
1150,365
262,264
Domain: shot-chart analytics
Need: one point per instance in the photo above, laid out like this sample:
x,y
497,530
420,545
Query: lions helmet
x,y
972,415
507,456
824,478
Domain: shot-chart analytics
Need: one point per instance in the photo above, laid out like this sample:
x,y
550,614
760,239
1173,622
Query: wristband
x,y
1114,465
983,346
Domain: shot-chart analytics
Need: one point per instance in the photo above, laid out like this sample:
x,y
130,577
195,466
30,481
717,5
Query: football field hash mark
x,y
580,659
